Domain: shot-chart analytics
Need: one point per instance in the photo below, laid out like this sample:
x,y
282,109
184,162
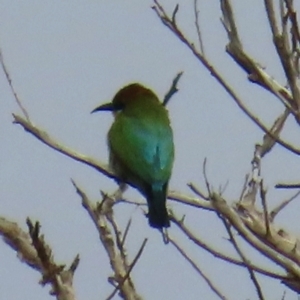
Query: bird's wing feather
x,y
145,148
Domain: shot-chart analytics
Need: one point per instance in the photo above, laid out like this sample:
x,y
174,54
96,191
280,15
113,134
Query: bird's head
x,y
126,95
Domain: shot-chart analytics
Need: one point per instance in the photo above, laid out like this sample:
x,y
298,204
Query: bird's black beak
x,y
104,107
107,107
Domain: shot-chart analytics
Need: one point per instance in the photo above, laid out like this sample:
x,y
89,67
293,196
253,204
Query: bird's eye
x,y
118,106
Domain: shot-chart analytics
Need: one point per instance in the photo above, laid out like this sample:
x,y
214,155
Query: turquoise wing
x,y
144,147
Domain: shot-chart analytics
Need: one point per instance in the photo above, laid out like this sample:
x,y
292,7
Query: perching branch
x,y
45,138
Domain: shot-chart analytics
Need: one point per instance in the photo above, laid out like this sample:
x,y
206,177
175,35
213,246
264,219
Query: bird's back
x,y
143,143
142,151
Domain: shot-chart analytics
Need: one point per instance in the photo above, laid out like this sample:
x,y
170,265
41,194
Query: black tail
x,y
158,215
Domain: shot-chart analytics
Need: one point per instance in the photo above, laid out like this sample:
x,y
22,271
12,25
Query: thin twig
x,y
173,89
281,206
205,177
197,191
268,141
287,186
244,187
126,232
197,25
197,269
222,189
9,80
118,238
244,259
175,13
265,208
138,255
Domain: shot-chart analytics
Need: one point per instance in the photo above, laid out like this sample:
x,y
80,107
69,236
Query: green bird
x,y
141,147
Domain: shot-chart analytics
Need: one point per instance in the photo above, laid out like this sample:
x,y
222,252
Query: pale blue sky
x,y
65,58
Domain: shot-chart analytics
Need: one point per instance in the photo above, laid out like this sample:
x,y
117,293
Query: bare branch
x,y
175,13
244,189
229,23
265,208
197,191
45,138
102,215
268,141
197,25
138,255
281,42
271,17
9,80
244,259
197,269
281,250
287,186
281,93
249,196
295,33
220,255
281,206
20,241
126,232
173,89
205,177
33,250
256,73
189,200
